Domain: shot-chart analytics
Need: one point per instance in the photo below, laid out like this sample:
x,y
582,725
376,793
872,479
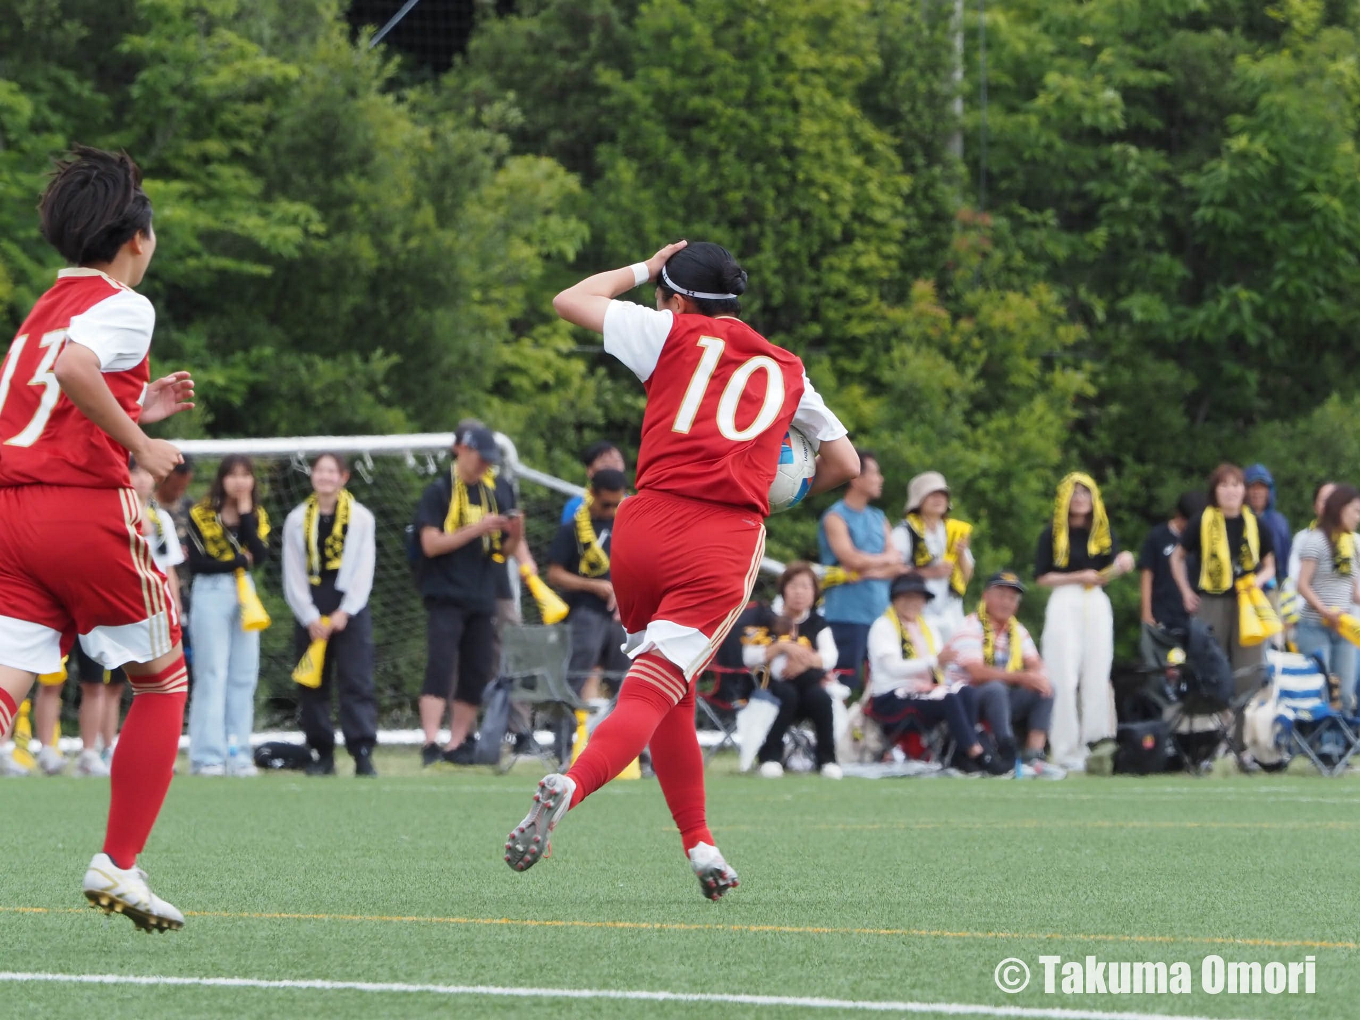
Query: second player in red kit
x,y
687,549
74,563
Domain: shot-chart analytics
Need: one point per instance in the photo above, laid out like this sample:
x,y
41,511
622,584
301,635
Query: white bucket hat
x,y
922,486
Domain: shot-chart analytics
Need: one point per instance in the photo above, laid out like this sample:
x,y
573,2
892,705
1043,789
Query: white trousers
x,y
1078,649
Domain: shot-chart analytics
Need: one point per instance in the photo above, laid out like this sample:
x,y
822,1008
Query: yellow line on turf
x,y
778,929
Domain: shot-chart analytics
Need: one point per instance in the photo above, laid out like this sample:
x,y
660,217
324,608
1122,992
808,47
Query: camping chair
x,y
1306,722
719,694
925,741
534,658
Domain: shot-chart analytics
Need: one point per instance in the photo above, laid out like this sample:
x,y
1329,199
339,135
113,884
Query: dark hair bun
x,y
735,278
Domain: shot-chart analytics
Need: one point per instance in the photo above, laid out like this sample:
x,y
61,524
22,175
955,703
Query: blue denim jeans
x,y
1338,656
226,672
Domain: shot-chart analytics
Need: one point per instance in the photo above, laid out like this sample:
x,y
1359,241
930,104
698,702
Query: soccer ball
x,y
797,465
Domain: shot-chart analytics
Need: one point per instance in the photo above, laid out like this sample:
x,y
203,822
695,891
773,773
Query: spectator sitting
x,y
1162,605
599,456
578,566
855,536
935,546
1077,556
329,555
800,651
997,655
1261,499
1327,584
906,664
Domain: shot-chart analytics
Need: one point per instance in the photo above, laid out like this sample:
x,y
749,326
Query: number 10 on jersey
x,y
732,393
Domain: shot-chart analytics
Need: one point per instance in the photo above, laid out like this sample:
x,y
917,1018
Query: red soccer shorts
x,y
683,571
74,562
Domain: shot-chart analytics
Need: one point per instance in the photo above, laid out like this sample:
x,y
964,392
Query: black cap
x,y
910,584
1006,579
481,439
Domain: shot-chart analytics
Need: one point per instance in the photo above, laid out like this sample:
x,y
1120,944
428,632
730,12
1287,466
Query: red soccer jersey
x,y
719,400
44,439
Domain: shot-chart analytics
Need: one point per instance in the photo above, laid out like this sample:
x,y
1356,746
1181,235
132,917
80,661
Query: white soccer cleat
x,y
716,876
531,839
771,770
117,891
832,771
8,766
51,761
91,764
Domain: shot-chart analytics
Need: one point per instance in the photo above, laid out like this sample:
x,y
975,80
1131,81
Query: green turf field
x,y
893,891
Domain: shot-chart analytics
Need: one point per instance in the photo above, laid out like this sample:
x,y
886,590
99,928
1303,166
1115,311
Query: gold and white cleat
x,y
116,890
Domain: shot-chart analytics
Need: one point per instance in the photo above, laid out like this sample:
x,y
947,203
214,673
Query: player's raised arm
x,y
585,303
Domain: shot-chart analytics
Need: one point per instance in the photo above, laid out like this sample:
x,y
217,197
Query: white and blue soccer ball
x,y
797,465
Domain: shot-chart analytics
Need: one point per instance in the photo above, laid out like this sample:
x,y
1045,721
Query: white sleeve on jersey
x,y
635,334
814,418
118,330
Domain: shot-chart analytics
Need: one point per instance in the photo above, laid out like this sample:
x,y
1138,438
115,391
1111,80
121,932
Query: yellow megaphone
x,y
633,770
1349,628
550,606
308,671
253,614
1257,621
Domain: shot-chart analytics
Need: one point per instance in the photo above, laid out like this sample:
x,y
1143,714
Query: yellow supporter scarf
x,y
1100,543
462,512
1216,566
218,542
594,560
1343,553
954,532
327,557
909,649
1016,660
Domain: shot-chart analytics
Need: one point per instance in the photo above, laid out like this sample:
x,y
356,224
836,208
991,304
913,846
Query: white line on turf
x,y
791,1001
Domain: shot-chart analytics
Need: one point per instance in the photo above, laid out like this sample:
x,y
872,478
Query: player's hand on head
x,y
158,457
658,260
166,396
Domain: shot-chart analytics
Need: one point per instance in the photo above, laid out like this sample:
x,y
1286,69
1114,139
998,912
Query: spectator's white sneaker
x,y
209,770
1074,763
1047,770
51,761
771,770
91,764
832,771
716,876
8,766
531,839
245,770
117,891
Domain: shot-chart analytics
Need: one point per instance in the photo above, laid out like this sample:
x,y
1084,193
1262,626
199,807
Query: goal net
x,y
387,474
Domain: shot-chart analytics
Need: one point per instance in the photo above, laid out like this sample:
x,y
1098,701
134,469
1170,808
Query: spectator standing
x,y
907,661
1261,500
601,455
1230,545
578,566
935,546
1327,577
172,497
228,531
1077,557
468,527
997,656
799,657
329,555
1160,599
856,536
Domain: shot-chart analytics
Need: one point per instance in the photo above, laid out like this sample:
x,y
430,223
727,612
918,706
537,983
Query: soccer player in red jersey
x,y
687,548
73,560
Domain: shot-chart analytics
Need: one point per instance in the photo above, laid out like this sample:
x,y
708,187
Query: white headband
x,y
665,278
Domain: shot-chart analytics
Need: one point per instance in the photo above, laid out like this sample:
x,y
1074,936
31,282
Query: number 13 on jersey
x,y
741,378
50,344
